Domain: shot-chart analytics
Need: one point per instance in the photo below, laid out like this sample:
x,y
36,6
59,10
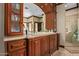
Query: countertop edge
x,y
23,37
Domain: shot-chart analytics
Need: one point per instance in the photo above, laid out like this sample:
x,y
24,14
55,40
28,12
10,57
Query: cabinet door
x,y
55,42
13,18
45,45
31,47
51,44
37,47
34,47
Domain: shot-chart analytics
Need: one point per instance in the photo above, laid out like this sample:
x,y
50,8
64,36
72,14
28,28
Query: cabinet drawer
x,y
20,52
17,44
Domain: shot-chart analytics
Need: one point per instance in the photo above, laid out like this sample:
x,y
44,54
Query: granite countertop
x,y
28,36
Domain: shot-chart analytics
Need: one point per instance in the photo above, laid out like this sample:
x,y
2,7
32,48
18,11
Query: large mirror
x,y
33,20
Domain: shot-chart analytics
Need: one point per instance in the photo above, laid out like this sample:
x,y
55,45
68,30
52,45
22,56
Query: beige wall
x,y
1,29
71,25
66,21
61,23
71,20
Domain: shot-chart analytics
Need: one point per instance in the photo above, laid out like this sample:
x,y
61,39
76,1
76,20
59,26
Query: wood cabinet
x,y
30,47
16,47
43,45
13,19
34,46
37,46
21,52
53,43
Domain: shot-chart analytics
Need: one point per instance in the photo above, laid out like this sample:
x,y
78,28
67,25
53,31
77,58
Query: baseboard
x,y
62,46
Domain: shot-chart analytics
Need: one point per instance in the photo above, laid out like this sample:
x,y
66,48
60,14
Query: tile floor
x,y
64,52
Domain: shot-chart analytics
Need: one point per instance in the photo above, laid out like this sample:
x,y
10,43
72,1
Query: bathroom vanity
x,y
43,45
33,45
42,42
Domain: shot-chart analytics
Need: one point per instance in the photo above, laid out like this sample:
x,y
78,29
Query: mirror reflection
x,y
34,19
